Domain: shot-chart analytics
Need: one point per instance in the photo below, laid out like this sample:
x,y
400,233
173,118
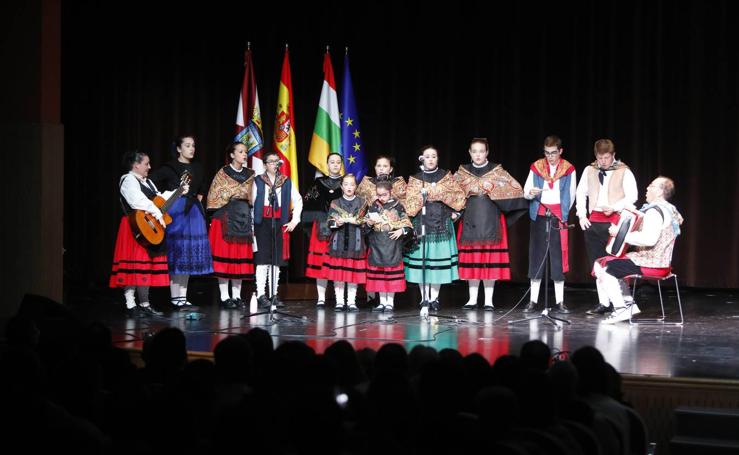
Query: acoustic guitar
x,y
146,228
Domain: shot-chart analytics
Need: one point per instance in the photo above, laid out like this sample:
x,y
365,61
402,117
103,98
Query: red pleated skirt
x,y
348,270
385,279
316,255
132,263
231,260
485,260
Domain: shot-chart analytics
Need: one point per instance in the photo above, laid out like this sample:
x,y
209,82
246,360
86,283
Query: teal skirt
x,y
441,260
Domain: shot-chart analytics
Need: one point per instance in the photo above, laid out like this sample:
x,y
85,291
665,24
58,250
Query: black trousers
x,y
538,246
596,239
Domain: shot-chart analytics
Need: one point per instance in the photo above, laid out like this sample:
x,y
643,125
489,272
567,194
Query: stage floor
x,y
706,346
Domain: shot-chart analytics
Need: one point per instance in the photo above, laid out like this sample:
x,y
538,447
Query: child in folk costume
x,y
491,192
383,173
435,263
188,248
272,226
317,201
136,268
387,224
231,231
346,261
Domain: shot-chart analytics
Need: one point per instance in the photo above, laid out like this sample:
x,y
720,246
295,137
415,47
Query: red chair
x,y
657,276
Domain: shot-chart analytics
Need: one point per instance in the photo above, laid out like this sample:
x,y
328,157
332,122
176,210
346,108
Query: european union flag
x,y
352,149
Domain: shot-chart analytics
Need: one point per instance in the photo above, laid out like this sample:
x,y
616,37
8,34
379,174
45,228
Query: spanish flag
x,y
284,134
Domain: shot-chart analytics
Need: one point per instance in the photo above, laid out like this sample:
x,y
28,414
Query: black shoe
x,y
263,302
148,311
424,303
561,308
434,305
278,303
228,304
488,308
133,312
320,304
339,308
238,303
183,305
529,307
352,308
469,306
599,310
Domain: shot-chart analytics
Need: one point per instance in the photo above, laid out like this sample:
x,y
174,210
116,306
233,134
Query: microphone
x,y
280,163
420,158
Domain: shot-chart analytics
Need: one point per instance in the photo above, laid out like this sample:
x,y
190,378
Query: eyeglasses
x,y
272,161
551,153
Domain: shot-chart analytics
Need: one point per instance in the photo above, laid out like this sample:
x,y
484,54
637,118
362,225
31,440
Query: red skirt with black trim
x,y
386,279
133,265
348,270
317,253
485,260
231,260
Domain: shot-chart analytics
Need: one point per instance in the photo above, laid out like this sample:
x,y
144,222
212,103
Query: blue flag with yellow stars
x,y
352,149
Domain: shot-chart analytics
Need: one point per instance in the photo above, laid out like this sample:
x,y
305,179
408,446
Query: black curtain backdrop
x,y
659,78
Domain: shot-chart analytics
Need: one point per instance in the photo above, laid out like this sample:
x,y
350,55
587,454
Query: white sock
x,y
183,279
339,291
351,293
474,288
236,289
559,291
261,278
382,298
223,287
389,299
321,288
535,285
626,292
128,293
613,289
489,290
143,293
434,291
600,285
273,286
174,288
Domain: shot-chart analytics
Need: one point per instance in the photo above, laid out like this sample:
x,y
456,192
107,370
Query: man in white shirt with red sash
x,y
606,187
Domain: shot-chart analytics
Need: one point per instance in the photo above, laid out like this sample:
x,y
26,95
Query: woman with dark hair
x,y
135,267
317,201
383,173
231,231
434,261
188,248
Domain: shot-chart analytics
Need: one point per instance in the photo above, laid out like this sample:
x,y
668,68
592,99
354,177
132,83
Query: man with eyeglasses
x,y
651,254
606,187
550,188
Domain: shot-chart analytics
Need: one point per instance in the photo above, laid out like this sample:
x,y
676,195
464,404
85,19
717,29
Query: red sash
x,y
556,209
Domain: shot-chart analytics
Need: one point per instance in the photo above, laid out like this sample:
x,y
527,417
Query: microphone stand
x,y
272,310
545,312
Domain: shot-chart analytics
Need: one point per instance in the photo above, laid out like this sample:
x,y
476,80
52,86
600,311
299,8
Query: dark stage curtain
x,y
659,78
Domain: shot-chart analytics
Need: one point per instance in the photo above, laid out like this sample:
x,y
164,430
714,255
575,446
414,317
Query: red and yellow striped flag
x,y
284,134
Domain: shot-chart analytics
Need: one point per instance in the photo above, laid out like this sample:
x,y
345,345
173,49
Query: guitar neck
x,y
167,205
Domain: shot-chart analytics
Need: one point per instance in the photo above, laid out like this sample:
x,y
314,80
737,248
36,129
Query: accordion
x,y
629,221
